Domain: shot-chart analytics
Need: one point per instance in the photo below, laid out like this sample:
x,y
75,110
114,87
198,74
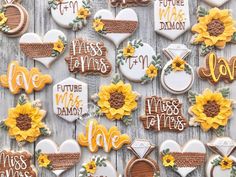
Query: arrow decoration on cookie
x,y
163,115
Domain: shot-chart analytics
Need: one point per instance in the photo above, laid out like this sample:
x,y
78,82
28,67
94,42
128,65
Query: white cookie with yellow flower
x,y
138,62
222,163
183,160
98,166
72,14
44,50
177,75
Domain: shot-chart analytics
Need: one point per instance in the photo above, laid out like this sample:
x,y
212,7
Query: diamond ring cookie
x,y
215,28
118,28
98,166
25,121
141,165
16,163
45,50
183,160
138,62
222,163
57,159
14,18
71,14
177,75
171,17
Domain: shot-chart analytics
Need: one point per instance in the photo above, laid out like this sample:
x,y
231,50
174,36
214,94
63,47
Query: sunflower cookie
x,y
72,14
138,62
215,28
211,110
98,166
183,160
16,164
117,101
177,75
223,163
24,122
98,135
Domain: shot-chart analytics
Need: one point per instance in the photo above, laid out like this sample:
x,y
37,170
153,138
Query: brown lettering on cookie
x,y
163,115
16,164
88,57
128,3
218,69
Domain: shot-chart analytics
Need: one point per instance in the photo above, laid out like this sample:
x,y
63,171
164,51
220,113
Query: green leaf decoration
x,y
3,125
204,50
168,70
234,38
116,79
145,79
233,171
44,131
201,12
22,99
225,92
187,69
216,162
157,174
220,131
127,120
192,97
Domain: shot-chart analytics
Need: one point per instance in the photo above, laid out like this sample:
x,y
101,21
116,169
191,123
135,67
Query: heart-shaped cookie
x,y
45,50
58,159
183,160
216,3
118,28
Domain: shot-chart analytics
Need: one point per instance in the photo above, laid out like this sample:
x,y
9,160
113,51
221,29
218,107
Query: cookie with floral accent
x,y
138,62
177,75
98,166
117,101
71,14
211,109
183,160
45,50
24,122
215,28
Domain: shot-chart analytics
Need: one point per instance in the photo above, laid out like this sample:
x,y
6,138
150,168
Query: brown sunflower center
x,y
91,167
23,122
226,163
117,100
168,160
1,18
211,109
215,27
178,64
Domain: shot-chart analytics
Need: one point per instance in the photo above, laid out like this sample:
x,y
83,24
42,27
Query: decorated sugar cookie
x,y
141,165
45,50
117,101
57,159
223,163
215,28
88,57
98,136
183,160
72,14
216,3
70,99
19,77
14,18
217,69
98,166
171,17
118,28
127,3
138,61
24,122
14,164
177,75
211,110
163,115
